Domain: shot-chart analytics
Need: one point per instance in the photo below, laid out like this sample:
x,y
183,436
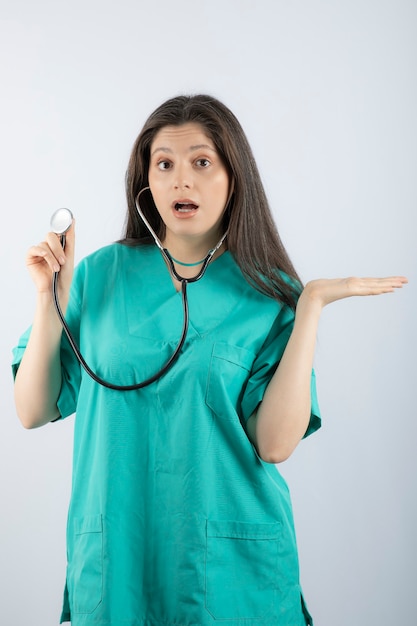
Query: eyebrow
x,y
190,149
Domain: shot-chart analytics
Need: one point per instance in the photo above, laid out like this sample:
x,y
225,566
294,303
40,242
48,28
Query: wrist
x,y
310,301
45,302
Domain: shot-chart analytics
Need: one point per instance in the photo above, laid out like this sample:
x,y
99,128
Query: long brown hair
x,y
252,238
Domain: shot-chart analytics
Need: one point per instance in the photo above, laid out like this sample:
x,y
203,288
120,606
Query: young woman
x,y
178,514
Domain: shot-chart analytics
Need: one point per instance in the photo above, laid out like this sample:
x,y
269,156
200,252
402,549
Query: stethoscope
x,y
61,221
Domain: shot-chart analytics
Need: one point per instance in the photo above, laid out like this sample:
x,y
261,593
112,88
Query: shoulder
x,y
268,311
114,254
110,265
276,282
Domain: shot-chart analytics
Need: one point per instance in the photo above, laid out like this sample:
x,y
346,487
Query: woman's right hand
x,y
48,257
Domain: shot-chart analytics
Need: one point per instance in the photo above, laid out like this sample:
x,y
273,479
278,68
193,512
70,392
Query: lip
x,y
183,201
184,215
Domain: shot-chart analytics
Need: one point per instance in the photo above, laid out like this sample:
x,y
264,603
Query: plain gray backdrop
x,y
326,91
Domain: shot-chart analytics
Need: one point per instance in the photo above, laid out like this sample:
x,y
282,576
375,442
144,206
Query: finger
x,y
376,286
62,245
42,253
398,281
395,279
390,281
70,242
54,242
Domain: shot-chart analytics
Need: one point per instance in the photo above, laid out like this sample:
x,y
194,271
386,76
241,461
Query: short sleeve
x,y
70,368
19,350
265,364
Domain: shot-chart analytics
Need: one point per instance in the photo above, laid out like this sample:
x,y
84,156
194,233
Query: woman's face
x,y
189,184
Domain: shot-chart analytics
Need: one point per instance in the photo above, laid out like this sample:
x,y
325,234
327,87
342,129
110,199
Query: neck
x,y
191,253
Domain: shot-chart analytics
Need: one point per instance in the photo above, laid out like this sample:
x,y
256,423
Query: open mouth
x,y
185,207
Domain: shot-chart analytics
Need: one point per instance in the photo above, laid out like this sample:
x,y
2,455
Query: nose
x,y
183,178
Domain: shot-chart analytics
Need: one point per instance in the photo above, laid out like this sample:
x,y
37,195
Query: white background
x,y
326,91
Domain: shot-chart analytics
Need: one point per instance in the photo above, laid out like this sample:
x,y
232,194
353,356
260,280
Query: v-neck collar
x,y
156,309
208,271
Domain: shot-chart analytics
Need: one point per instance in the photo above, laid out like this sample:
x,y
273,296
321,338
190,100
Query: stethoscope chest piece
x,y
61,221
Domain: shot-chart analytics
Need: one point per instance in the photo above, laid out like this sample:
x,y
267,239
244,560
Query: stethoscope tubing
x,y
94,375
184,281
165,252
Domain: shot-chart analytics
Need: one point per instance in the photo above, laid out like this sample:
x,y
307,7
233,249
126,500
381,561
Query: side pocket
x,y
85,568
241,566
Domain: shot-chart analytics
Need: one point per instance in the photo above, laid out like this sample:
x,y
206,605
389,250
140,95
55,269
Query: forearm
x,y
283,416
38,379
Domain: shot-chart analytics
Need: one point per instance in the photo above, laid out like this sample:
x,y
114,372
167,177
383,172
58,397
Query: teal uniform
x,y
174,520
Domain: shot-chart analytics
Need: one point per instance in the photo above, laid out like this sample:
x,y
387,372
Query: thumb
x,y
70,244
67,268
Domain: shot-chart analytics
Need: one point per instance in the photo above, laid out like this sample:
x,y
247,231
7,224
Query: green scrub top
x,y
174,520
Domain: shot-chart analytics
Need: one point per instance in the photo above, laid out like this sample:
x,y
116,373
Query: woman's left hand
x,y
282,417
324,291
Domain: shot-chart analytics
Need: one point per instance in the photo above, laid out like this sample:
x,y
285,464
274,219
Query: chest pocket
x,y
228,374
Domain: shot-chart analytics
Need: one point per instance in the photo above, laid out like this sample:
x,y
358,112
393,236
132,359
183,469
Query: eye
x,y
202,162
163,165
